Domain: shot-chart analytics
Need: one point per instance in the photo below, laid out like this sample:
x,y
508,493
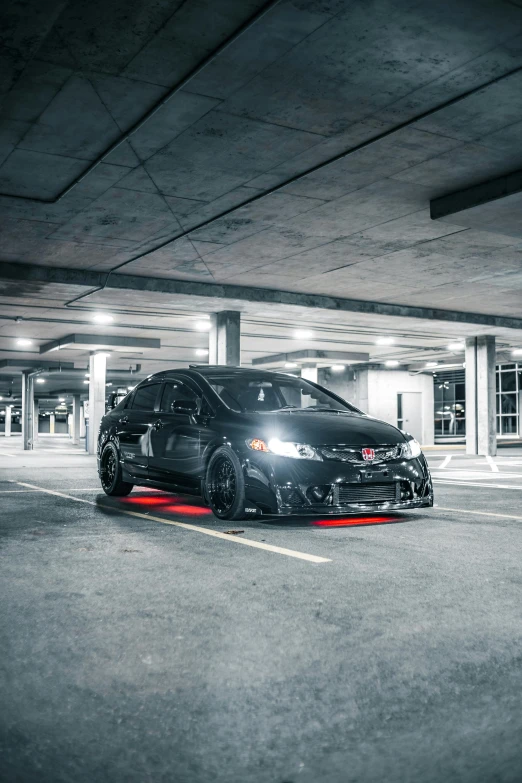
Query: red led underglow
x,y
149,500
349,521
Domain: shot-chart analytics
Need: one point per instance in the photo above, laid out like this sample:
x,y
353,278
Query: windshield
x,y
270,392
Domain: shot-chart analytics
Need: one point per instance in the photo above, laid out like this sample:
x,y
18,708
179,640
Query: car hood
x,y
322,428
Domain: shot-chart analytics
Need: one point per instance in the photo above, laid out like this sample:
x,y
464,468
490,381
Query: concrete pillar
x,y
481,429
82,421
27,409
309,374
36,419
52,423
97,375
224,339
8,411
76,419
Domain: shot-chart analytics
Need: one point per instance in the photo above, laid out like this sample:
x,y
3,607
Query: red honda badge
x,y
368,454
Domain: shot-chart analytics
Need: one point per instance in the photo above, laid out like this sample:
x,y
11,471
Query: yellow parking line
x,y
216,534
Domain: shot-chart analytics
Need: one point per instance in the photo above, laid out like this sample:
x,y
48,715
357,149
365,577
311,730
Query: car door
x,y
175,438
134,427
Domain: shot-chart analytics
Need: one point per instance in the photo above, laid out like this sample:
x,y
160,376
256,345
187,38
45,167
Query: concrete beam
x,y
266,296
313,356
483,193
95,342
36,364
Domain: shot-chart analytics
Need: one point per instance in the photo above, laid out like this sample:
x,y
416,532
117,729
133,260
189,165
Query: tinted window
x,y
173,391
145,397
271,392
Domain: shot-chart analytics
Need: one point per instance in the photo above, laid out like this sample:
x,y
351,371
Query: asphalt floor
x,y
144,640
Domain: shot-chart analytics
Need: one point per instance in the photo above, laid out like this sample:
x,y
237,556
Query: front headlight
x,y
411,449
284,448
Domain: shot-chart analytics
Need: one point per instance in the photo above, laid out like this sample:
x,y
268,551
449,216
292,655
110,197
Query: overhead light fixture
x,y
102,318
385,340
203,326
338,367
456,347
108,384
432,364
87,374
392,363
130,388
303,334
290,365
86,381
40,380
23,341
62,399
516,352
201,352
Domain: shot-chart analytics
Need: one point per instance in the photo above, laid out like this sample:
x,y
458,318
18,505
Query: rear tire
x,y
225,485
111,473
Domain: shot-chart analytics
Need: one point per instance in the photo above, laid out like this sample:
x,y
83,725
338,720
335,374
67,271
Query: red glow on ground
x,y
166,503
193,511
349,521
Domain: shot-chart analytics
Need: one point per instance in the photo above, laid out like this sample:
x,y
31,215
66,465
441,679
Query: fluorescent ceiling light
x,y
40,380
130,388
86,381
61,399
385,341
201,352
203,326
392,363
87,374
102,318
24,341
338,367
303,334
517,352
456,347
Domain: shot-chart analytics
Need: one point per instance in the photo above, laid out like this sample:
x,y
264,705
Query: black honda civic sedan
x,y
254,442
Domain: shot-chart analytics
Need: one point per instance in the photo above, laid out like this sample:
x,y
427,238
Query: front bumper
x,y
285,486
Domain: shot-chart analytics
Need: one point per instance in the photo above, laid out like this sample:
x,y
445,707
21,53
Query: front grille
x,y
347,454
369,493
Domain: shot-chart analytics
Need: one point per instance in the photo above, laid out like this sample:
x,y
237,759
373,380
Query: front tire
x,y
111,473
225,485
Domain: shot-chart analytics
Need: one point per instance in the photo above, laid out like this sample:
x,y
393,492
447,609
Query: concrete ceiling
x,y
292,145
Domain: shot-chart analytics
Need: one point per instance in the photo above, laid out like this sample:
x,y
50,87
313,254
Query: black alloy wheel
x,y
225,485
111,473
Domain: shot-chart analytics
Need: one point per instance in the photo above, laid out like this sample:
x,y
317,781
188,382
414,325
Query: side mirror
x,y
188,407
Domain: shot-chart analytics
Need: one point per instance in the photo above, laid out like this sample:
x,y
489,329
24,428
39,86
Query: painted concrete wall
x,y
375,391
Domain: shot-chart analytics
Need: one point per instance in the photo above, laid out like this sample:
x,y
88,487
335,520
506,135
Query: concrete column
x,y
36,419
82,421
97,370
52,423
27,409
309,374
8,411
481,430
224,339
76,419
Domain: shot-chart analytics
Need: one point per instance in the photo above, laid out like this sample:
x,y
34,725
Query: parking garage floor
x,y
148,641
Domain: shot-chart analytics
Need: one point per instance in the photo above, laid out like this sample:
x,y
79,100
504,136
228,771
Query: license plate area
x,y
376,476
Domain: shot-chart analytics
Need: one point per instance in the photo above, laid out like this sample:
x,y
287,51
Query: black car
x,y
254,442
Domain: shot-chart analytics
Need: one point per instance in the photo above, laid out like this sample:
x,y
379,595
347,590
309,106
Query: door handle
x,y
124,420
158,425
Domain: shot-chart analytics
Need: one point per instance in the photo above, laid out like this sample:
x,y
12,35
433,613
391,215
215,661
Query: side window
x,y
173,391
145,397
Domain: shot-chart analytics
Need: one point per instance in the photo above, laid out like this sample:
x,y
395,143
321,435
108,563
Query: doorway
x,y
409,413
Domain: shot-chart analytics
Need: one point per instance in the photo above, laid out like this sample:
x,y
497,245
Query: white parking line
x,y
487,485
216,534
445,462
492,464
480,513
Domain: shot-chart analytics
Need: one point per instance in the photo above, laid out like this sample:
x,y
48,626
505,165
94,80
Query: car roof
x,y
209,371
